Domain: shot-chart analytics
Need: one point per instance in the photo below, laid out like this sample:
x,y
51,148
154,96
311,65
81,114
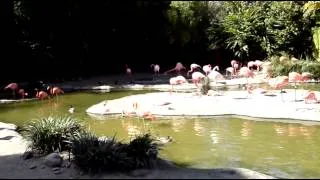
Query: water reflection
x,y
214,136
246,129
199,127
294,130
177,125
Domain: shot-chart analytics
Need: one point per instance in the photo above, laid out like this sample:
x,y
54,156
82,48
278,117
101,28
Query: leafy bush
x,y
95,155
283,68
142,150
51,133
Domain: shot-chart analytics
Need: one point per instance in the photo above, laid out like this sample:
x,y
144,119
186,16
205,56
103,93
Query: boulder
x,y
53,160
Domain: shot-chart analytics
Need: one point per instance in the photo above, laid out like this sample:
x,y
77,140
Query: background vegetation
x,y
55,39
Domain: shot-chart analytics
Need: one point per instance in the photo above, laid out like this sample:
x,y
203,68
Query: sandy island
x,y
270,105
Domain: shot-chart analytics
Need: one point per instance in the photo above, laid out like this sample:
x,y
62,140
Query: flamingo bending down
x,y
259,64
310,98
176,81
196,77
295,77
251,64
193,67
13,87
156,68
178,68
207,69
42,95
230,70
55,90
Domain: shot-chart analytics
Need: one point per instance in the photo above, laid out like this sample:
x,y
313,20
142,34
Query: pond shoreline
x,y
13,166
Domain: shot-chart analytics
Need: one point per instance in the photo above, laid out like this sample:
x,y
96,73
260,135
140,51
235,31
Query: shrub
x,y
94,155
49,134
142,150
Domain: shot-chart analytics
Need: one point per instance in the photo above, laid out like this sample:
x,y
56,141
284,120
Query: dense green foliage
x,y
51,134
95,155
86,35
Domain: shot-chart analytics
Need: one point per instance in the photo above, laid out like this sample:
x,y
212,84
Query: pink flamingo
x,y
207,69
22,93
258,63
196,77
310,97
13,87
156,68
55,90
279,83
128,70
176,81
193,67
233,62
178,68
251,64
42,95
214,75
230,70
295,77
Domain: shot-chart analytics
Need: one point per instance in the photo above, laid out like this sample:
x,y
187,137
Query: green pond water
x,y
286,150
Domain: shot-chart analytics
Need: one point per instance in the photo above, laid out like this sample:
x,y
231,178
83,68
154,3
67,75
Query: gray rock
x,y
140,172
57,170
27,155
33,167
53,160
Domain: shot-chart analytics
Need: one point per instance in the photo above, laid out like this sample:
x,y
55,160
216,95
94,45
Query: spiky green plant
x,y
142,150
50,134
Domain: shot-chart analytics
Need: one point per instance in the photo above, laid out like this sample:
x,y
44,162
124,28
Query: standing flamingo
x,y
230,70
156,68
196,77
295,77
176,81
207,69
55,90
178,68
128,70
41,94
13,87
233,62
246,72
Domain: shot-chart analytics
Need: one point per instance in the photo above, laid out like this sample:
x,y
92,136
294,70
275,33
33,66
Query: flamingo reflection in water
x,y
246,130
199,128
177,125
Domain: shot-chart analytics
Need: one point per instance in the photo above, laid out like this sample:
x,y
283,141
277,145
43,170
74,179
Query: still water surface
x,y
286,150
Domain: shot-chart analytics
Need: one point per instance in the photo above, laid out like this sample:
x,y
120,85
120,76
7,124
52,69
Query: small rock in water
x,y
53,160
